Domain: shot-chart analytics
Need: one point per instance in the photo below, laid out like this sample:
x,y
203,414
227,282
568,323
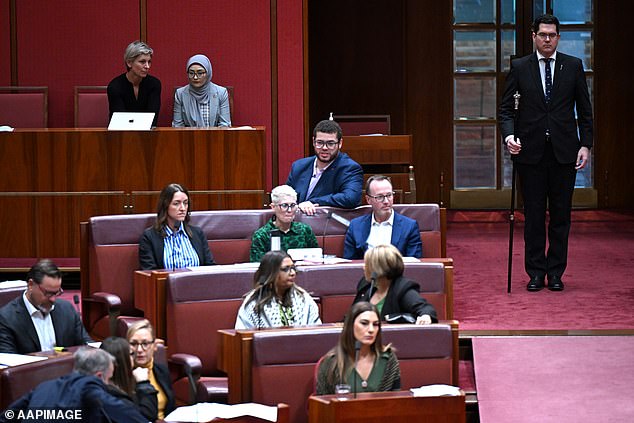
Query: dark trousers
x,y
546,185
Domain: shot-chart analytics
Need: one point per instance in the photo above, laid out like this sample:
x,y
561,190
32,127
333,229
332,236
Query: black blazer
x,y
535,115
402,297
151,248
162,374
18,335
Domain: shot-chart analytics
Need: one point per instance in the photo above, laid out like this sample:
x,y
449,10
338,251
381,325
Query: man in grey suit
x,y
543,142
38,320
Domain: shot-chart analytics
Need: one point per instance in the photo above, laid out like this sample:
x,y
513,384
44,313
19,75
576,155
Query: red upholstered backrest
x,y
24,107
201,303
425,355
91,107
8,293
19,380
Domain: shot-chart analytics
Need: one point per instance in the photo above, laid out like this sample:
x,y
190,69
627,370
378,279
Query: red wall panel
x,y
234,34
290,86
63,44
5,45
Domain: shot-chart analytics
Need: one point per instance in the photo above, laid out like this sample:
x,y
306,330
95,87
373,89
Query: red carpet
x,y
554,379
599,290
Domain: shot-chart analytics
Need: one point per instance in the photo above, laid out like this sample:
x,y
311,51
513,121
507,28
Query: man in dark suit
x,y
544,145
331,178
383,225
37,320
81,395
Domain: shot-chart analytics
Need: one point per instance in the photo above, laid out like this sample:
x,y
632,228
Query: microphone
x,y
372,283
177,225
323,236
357,347
76,302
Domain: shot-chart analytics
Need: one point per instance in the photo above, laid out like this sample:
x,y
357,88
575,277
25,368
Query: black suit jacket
x,y
162,374
151,248
570,90
402,297
18,335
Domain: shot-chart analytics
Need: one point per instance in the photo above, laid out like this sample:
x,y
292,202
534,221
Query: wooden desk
x,y
381,407
56,178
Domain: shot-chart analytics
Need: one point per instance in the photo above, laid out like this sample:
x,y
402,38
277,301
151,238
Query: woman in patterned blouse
x,y
275,300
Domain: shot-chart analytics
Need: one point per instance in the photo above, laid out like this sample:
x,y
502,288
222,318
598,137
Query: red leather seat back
x,y
24,107
91,107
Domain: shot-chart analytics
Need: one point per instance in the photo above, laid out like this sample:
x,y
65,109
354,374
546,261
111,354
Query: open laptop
x,y
131,121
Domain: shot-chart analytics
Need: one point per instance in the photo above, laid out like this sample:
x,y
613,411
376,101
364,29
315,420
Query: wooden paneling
x,y
614,92
5,44
50,180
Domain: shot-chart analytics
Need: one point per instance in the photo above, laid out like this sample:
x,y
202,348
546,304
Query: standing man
x,y
331,178
545,147
383,225
38,320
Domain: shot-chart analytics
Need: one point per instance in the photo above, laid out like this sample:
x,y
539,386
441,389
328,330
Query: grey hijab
x,y
198,95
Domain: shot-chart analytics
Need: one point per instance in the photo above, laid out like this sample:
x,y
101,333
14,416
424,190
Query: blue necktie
x,y
549,79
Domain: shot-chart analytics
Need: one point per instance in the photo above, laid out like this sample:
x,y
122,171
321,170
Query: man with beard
x,y
331,178
38,320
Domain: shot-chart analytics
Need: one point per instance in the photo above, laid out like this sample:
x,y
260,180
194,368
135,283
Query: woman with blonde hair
x,y
396,297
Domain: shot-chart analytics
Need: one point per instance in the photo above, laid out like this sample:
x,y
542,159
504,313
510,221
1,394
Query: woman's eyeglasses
x,y
287,206
144,345
287,269
198,74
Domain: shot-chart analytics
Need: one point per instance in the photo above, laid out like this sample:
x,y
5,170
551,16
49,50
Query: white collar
x,y
389,221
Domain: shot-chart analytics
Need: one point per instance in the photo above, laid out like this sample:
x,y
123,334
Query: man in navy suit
x,y
383,225
331,178
37,320
543,142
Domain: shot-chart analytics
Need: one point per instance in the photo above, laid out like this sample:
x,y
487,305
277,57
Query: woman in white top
x,y
275,300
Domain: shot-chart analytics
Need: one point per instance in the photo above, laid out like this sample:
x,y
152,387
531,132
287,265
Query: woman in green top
x,y
376,368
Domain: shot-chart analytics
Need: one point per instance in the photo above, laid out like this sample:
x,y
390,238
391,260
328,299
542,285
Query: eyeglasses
x,y
287,206
198,74
544,35
49,294
381,197
287,269
329,144
144,345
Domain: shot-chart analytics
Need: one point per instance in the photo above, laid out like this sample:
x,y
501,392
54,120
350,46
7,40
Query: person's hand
x,y
140,374
308,208
582,158
513,145
425,319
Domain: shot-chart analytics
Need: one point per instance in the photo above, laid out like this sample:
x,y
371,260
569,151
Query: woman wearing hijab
x,y
201,103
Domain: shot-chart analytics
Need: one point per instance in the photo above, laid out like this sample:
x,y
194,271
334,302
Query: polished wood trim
x,y
13,42
275,165
143,20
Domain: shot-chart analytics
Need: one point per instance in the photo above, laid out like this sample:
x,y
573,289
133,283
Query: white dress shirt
x,y
43,324
381,233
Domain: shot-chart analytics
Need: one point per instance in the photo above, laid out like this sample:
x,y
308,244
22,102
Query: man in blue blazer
x,y
383,225
37,320
543,142
331,178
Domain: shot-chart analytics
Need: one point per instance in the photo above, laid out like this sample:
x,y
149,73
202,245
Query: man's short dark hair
x,y
43,268
328,127
375,178
546,20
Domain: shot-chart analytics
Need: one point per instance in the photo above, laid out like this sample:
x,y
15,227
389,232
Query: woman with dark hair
x,y
397,298
377,367
172,243
275,300
127,385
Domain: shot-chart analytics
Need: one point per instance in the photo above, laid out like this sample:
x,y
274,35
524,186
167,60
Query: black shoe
x,y
535,284
555,283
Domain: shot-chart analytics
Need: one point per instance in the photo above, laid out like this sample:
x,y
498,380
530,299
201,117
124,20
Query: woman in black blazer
x,y
397,298
172,242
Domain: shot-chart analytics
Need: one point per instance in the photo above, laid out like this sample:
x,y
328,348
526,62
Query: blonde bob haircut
x,y
385,261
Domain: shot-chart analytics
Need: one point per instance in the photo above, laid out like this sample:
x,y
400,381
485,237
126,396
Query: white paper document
x,y
436,391
9,360
205,411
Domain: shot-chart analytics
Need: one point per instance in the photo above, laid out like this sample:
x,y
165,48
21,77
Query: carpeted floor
x,y
599,280
554,379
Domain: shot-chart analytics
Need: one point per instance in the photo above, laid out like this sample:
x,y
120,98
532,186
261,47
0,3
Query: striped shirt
x,y
178,251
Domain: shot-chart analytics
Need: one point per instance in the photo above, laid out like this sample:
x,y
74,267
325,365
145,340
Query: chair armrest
x,y
112,303
188,366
